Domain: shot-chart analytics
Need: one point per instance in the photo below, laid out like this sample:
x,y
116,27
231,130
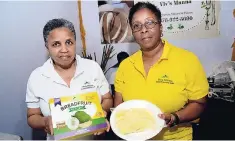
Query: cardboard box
x,y
77,116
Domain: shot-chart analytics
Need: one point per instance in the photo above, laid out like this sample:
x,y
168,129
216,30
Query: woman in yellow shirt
x,y
163,74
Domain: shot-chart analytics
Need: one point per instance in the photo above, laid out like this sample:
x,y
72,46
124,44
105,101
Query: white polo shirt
x,y
45,83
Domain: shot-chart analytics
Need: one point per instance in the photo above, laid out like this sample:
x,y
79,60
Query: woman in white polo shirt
x,y
64,73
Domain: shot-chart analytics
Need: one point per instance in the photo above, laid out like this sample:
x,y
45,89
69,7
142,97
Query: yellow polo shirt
x,y
177,77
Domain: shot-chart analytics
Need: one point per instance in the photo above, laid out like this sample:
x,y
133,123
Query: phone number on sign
x,y
176,19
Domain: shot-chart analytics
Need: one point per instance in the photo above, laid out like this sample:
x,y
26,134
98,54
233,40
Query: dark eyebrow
x,y
56,42
69,39
151,18
148,18
136,22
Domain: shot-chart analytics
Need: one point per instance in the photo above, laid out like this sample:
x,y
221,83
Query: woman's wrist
x,y
44,119
174,120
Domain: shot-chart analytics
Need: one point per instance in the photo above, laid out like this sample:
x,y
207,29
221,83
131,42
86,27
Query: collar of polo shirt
x,y
137,61
49,71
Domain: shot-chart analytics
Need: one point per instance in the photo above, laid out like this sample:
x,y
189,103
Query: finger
x,y
99,133
170,121
51,130
107,129
167,116
51,126
105,113
162,116
46,130
108,126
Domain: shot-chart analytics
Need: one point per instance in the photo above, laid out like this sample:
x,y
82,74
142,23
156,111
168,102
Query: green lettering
x,y
79,108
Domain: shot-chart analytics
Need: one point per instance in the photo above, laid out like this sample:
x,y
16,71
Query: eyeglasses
x,y
148,24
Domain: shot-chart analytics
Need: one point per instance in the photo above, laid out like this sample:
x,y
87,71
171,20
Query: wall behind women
x,y
22,49
210,51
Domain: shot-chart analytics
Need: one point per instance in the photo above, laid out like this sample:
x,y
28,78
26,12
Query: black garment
x,y
217,121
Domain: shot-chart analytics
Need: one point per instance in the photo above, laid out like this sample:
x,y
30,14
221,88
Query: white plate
x,y
138,104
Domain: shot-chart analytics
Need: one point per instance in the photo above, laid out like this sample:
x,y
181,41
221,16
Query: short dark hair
x,y
141,5
57,23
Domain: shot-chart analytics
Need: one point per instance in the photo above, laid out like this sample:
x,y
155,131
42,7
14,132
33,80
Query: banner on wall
x,y
185,19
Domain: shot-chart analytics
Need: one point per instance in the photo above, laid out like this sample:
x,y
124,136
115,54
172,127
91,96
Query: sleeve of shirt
x,y
103,84
31,100
119,79
197,84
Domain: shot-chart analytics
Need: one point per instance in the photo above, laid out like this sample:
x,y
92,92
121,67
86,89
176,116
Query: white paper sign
x,y
188,18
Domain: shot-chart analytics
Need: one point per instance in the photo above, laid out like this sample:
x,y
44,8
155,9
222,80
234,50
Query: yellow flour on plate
x,y
134,120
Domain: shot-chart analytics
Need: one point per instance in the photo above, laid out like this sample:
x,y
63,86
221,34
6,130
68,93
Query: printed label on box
x,y
76,116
